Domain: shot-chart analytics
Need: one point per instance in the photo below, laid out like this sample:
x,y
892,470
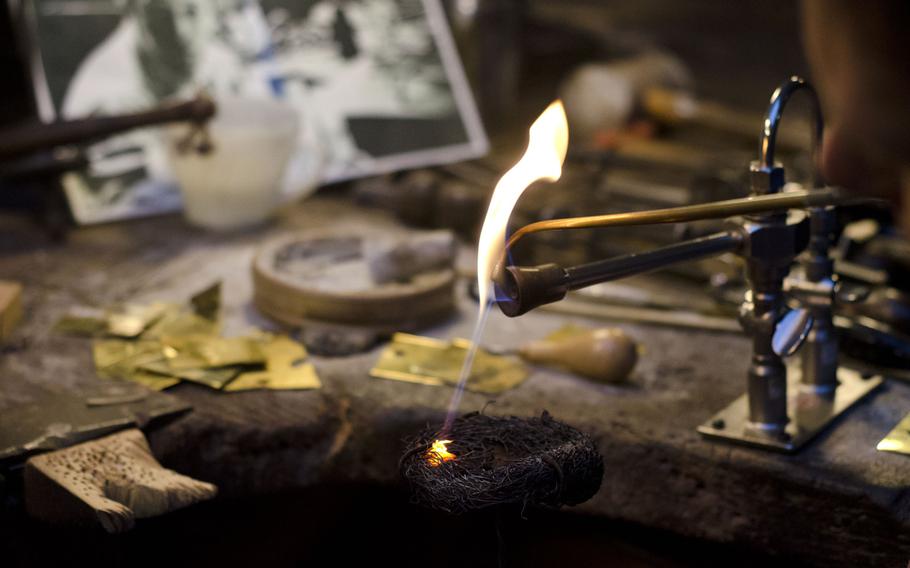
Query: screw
x,y
718,424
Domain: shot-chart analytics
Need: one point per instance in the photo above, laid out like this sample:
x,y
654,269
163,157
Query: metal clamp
x,y
787,405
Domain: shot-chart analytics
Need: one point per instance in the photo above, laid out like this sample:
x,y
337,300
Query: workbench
x,y
838,502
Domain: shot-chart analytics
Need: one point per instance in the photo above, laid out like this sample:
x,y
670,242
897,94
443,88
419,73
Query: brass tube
x,y
799,199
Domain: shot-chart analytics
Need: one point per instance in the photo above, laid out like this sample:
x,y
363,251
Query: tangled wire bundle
x,y
504,460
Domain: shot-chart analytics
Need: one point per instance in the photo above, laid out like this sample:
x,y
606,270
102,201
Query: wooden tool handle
x,y
677,107
605,355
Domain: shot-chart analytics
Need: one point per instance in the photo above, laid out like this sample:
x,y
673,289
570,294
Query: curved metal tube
x,y
772,121
800,199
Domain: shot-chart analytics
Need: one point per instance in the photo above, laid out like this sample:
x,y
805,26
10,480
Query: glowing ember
x,y
549,140
438,453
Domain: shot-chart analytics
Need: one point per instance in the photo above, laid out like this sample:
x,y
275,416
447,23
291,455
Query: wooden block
x,y
112,480
10,307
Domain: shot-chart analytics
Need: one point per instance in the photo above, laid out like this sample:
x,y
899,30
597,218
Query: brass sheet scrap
x,y
207,351
301,377
253,362
130,320
127,321
898,440
214,378
429,361
286,368
116,356
125,360
180,323
161,344
207,303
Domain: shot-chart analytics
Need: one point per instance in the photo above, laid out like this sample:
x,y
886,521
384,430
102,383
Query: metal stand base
x,y
810,412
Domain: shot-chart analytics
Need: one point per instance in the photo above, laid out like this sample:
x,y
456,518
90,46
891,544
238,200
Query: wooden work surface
x,y
839,499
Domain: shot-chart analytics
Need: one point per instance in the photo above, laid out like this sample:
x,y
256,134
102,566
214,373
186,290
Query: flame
x,y
438,453
549,140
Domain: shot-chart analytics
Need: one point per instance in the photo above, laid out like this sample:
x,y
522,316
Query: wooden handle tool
x,y
605,355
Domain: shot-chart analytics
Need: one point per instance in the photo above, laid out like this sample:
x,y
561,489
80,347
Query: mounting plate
x,y
810,412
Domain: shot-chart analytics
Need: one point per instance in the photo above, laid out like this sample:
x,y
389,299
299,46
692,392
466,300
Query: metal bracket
x,y
809,412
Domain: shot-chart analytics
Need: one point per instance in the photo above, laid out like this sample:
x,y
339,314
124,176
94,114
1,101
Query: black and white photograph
x,y
377,85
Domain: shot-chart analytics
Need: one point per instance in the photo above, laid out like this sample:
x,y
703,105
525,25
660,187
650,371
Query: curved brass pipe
x,y
799,199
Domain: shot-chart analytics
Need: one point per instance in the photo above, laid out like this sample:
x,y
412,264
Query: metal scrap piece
x,y
301,377
115,358
286,368
429,361
201,352
214,378
161,344
130,320
207,303
127,321
898,440
177,322
126,360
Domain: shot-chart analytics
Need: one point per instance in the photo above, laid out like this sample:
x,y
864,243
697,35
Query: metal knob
x,y
791,331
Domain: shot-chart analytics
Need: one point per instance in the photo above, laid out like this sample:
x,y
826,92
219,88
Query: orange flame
x,y
549,140
438,453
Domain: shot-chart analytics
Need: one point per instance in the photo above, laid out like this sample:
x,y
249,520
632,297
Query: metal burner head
x,y
520,289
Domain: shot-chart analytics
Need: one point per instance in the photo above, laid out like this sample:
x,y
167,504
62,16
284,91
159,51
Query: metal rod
x,y
671,318
15,142
585,275
523,288
799,199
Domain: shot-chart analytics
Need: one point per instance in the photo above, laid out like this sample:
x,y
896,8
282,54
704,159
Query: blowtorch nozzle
x,y
520,289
